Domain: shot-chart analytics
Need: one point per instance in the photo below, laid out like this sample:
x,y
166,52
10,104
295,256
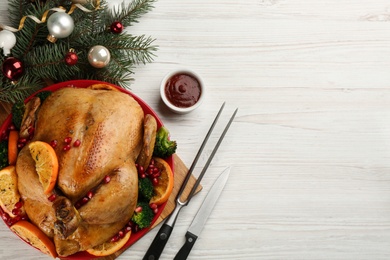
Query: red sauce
x,y
182,90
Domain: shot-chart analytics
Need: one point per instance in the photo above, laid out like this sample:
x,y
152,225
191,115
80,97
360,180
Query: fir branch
x,y
139,49
129,14
45,60
23,88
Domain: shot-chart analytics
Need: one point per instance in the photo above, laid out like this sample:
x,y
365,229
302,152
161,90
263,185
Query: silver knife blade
x,y
202,215
209,203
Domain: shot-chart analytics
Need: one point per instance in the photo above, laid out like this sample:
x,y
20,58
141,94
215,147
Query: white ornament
x,y
60,25
99,56
7,41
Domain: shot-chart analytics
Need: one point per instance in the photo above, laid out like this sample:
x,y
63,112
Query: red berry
x,y
31,130
18,205
90,194
16,212
84,200
115,238
53,143
77,143
68,140
127,229
66,147
138,209
106,179
22,140
155,181
52,197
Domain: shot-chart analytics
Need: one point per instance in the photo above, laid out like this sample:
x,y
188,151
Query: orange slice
x,y
9,193
13,146
35,237
109,248
164,187
46,164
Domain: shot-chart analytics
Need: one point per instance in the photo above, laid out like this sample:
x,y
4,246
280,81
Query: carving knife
x,y
202,215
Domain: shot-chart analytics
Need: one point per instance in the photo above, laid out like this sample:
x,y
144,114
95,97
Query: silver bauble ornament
x,y
7,41
60,25
99,56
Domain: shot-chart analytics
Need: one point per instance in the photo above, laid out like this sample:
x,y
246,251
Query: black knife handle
x,y
186,248
158,244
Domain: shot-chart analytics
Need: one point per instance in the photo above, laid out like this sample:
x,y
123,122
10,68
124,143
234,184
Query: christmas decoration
x,y
7,41
60,25
99,56
85,25
12,68
116,27
71,58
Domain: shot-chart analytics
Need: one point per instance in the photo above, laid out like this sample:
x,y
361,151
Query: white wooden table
x,y
310,147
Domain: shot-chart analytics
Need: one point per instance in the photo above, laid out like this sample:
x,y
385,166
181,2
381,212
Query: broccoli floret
x,y
17,112
145,189
143,217
43,95
163,146
3,154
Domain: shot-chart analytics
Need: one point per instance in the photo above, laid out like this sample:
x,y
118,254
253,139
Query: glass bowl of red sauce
x,y
182,91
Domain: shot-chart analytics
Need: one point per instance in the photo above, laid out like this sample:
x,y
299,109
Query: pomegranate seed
x,y
20,146
127,229
68,140
77,143
17,218
156,170
52,197
31,130
90,194
16,212
84,200
153,205
22,140
155,181
121,234
5,216
106,179
142,176
66,147
138,209
115,238
18,205
77,205
155,211
141,169
53,143
11,127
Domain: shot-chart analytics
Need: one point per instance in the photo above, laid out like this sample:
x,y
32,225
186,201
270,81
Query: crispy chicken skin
x,y
109,125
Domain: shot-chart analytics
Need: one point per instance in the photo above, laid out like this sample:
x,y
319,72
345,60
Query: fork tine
x,y
206,166
191,169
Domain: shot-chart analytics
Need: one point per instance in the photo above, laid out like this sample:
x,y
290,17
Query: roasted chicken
x,y
109,127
